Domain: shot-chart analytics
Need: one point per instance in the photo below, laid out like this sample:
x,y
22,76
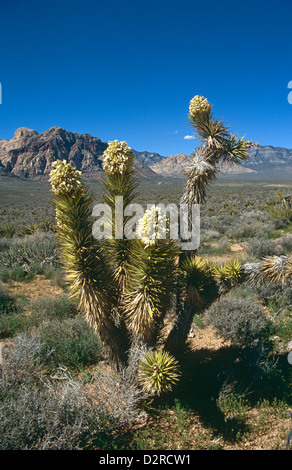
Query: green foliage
x,y
70,343
280,211
19,274
150,287
6,301
45,309
11,315
89,277
30,254
12,323
158,372
231,271
7,231
239,320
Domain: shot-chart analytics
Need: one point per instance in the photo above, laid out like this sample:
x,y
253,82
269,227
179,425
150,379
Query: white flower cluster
x,y
199,105
117,158
152,226
64,178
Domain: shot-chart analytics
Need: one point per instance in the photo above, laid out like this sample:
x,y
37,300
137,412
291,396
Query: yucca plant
x,y
118,182
150,288
274,269
218,145
158,372
127,286
227,274
89,276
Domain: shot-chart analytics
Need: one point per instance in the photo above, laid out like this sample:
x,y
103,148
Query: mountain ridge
x,y
30,155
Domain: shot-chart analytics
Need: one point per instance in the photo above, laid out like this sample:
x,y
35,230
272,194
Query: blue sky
x,y
127,69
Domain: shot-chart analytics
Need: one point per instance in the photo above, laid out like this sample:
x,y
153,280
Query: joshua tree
x,y
127,286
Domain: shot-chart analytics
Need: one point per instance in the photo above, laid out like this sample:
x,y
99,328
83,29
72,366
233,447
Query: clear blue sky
x,y
126,70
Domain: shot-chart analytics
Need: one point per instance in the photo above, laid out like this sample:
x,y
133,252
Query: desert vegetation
x,y
132,344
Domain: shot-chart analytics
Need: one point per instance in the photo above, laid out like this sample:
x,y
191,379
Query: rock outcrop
x,y
30,154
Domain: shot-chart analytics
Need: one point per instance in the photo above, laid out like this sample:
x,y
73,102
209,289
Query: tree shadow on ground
x,y
208,373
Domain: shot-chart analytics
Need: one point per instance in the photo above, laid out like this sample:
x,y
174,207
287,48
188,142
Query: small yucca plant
x,y
231,271
158,372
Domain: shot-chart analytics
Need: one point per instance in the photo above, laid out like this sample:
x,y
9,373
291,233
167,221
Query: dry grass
x,y
37,288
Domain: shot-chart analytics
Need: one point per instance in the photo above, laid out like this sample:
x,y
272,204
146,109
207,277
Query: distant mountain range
x,y
30,155
265,162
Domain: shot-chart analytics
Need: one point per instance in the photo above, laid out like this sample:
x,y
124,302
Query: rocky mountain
x,y
148,158
175,166
30,155
268,161
264,162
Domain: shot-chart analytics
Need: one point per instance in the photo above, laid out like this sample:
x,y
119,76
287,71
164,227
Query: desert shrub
x,y
56,276
257,374
286,244
234,408
7,303
249,228
275,296
38,412
72,343
20,274
27,229
4,275
278,299
210,234
220,248
280,211
11,316
47,308
220,223
239,320
243,225
4,244
68,421
260,247
11,323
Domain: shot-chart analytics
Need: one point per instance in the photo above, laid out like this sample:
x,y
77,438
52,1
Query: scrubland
x,y
57,391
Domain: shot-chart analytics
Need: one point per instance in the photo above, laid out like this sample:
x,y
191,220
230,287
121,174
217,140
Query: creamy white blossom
x,y
199,105
117,158
152,226
64,178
